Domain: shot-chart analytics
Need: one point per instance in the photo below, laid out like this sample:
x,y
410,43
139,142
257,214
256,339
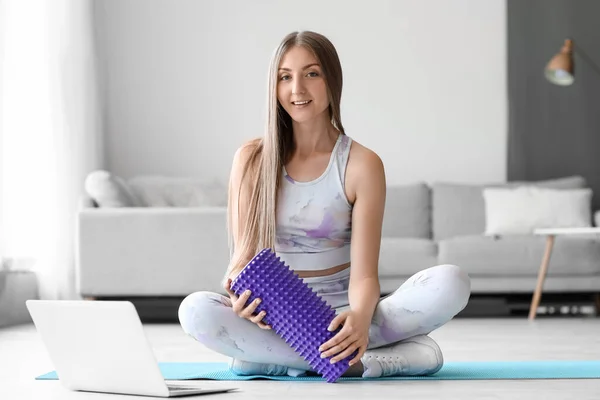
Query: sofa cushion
x,y
521,255
406,256
166,191
459,209
521,210
108,190
407,211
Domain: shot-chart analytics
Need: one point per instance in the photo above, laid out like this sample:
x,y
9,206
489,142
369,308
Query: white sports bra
x,y
314,219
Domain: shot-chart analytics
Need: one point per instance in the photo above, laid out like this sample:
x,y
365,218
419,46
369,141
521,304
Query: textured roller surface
x,y
296,313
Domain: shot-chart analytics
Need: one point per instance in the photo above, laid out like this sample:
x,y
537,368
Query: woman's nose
x,y
298,87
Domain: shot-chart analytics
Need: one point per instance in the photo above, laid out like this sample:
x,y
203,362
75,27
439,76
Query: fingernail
x,y
333,361
351,363
257,301
329,329
323,355
248,292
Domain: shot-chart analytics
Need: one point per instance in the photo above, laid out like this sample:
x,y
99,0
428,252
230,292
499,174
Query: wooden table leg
x,y
535,301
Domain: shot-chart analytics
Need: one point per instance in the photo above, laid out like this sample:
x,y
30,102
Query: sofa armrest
x,y
85,201
151,251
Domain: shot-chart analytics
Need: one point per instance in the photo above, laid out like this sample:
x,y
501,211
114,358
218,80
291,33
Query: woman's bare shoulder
x,y
245,151
364,167
248,147
362,157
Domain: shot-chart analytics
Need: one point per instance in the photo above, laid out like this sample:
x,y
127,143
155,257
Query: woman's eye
x,y
313,74
284,78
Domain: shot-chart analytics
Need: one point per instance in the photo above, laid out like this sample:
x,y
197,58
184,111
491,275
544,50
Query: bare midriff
x,y
322,272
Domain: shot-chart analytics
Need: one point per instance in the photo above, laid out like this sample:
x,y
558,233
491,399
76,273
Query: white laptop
x,y
100,346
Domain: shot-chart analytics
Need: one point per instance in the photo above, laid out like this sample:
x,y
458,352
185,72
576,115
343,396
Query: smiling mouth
x,y
301,103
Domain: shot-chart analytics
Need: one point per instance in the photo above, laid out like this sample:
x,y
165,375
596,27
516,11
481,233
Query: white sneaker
x,y
240,367
418,355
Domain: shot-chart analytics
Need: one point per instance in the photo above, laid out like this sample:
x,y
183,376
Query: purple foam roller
x,y
294,311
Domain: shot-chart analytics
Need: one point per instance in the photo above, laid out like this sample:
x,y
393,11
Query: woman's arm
x,y
239,196
240,191
369,186
365,184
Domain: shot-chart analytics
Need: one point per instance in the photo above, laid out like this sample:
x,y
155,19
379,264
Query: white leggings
x,y
426,301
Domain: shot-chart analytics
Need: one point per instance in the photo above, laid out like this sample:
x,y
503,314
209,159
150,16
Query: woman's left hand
x,y
354,335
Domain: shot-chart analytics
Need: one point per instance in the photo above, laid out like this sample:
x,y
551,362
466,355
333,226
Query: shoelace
x,y
274,369
390,366
249,368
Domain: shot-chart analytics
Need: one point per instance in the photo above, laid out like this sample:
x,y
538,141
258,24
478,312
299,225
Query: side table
x,y
550,234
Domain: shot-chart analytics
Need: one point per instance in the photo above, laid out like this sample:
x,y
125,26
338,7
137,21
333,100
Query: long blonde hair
x,y
269,154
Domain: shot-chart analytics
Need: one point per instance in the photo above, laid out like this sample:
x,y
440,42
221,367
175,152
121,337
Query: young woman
x,y
316,197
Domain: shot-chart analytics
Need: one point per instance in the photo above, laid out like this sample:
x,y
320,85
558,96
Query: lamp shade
x,y
561,69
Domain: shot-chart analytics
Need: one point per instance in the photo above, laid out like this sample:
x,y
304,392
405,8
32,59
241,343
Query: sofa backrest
x,y
168,191
459,209
407,211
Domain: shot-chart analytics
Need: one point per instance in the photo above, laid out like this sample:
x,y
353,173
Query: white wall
x,y
424,81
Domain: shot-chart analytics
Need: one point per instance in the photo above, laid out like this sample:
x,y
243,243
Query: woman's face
x,y
301,88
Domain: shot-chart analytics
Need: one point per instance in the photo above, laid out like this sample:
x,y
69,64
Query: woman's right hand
x,y
246,311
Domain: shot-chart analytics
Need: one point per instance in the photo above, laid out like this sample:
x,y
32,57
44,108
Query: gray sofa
x,y
444,224
166,251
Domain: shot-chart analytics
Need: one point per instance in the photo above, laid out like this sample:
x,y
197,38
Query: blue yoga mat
x,y
450,371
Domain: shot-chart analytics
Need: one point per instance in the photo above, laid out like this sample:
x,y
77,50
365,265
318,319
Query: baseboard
x,y
517,305
164,309
15,288
153,309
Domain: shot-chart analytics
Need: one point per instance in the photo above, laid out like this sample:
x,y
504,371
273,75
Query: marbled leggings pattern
x,y
424,302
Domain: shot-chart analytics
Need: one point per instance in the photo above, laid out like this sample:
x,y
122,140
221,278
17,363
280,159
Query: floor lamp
x,y
560,70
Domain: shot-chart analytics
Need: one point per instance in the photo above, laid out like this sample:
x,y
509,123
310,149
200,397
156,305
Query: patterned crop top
x,y
314,219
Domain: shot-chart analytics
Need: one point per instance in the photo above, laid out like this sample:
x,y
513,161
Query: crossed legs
x,y
423,303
